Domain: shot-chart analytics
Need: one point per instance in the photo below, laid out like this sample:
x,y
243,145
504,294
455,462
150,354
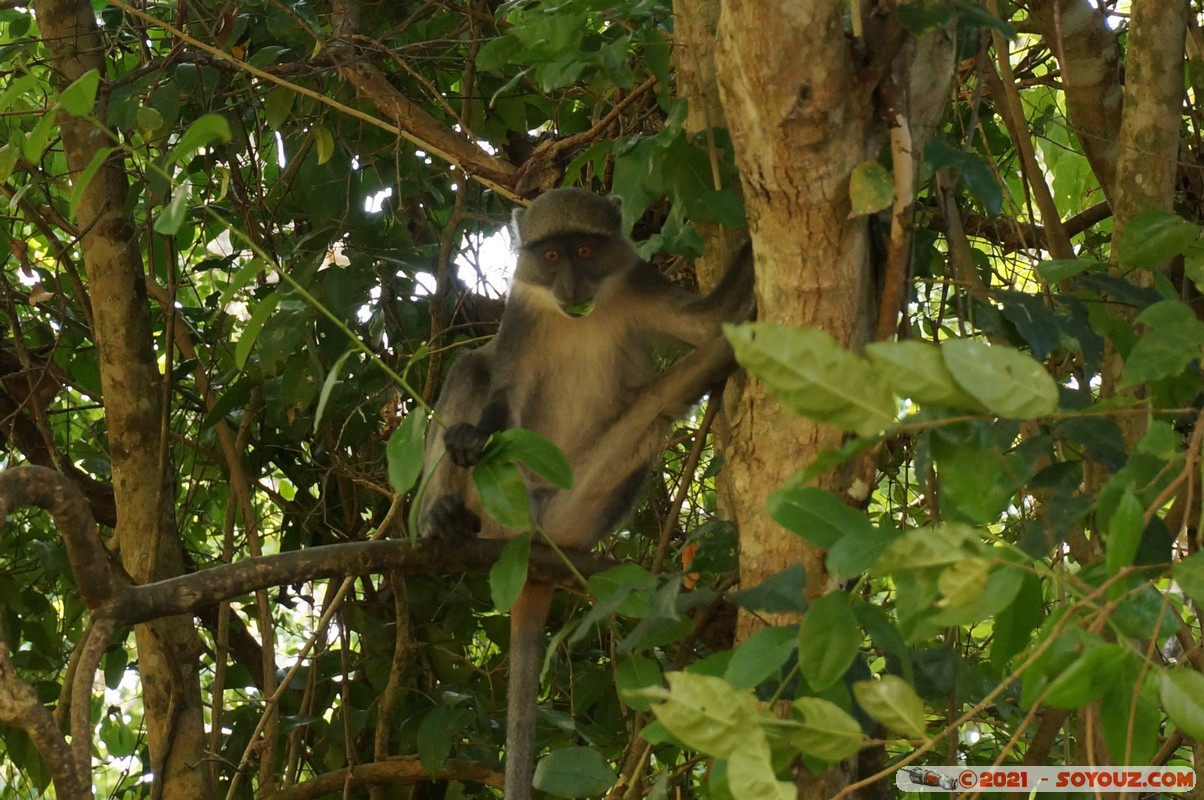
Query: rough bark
x,y
1088,56
130,381
1147,163
800,122
1149,131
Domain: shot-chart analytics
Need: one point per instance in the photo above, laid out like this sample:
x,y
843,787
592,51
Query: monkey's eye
x,y
584,251
551,256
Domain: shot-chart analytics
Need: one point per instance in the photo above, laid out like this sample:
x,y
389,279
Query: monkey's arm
x,y
732,300
465,440
672,312
447,504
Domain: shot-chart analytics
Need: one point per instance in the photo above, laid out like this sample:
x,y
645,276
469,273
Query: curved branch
x,y
20,707
95,577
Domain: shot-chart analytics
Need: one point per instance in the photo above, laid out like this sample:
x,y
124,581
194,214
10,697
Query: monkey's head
x,y
569,242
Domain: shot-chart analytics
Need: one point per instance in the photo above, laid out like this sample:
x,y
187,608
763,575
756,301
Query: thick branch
x,y
1089,60
95,577
1007,103
395,771
1149,134
188,594
417,125
412,120
20,707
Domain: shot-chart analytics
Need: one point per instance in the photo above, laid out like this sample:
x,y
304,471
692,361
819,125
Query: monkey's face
x,y
572,267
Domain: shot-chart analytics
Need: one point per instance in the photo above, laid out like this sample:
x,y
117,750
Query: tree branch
x,y
402,770
20,707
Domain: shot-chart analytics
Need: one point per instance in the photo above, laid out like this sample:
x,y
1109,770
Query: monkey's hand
x,y
464,443
449,520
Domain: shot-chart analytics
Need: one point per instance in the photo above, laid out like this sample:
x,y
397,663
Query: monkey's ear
x,y
618,201
516,219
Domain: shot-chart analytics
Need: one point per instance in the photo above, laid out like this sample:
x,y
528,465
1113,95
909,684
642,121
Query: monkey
x,y
573,360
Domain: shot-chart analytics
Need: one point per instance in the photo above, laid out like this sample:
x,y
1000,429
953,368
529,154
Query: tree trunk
x,y
168,650
799,125
1148,163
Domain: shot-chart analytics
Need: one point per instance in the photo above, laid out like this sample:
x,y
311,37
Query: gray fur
x,y
589,384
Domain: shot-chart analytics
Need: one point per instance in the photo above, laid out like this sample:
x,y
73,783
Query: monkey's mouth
x,y
581,309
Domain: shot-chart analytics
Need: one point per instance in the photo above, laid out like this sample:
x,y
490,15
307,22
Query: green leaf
x,y
508,575
434,737
79,183
278,105
858,552
1124,532
916,370
574,772
18,85
246,273
1154,237
1189,574
535,452
38,139
332,379
1088,677
816,515
963,581
1034,319
1015,624
118,738
968,604
1181,692
976,481
206,130
632,582
170,219
977,173
1005,381
503,493
706,713
250,332
8,162
1173,342
750,773
779,593
871,188
826,731
633,676
1130,716
404,451
79,98
921,548
760,656
324,143
893,702
115,662
148,121
812,375
828,640
1060,270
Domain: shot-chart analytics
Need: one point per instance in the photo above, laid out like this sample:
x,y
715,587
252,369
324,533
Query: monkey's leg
x,y
528,622
628,446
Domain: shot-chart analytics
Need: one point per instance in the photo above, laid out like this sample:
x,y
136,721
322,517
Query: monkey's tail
x,y
528,623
